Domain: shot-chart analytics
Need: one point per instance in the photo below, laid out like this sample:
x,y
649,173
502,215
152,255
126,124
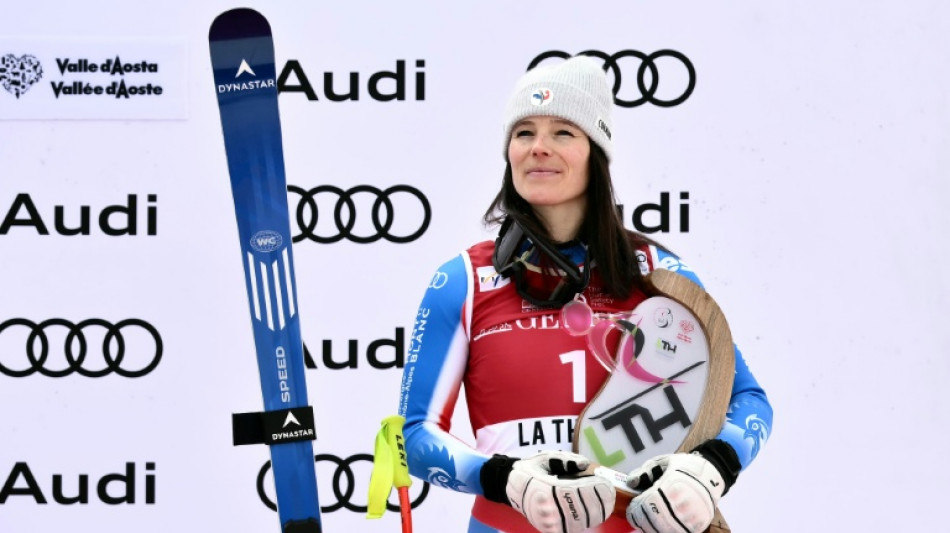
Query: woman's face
x,y
549,161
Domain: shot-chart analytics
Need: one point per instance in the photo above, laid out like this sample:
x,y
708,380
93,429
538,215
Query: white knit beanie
x,y
575,90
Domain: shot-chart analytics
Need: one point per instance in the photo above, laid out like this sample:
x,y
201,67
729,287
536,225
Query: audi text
x,y
111,489
114,220
383,86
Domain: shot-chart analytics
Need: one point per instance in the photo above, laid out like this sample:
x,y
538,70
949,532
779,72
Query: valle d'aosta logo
x,y
18,74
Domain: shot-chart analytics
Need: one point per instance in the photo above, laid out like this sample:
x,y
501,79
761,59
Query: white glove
x,y
680,493
547,490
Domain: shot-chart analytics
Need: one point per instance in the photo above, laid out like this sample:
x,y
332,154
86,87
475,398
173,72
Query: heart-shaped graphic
x,y
18,74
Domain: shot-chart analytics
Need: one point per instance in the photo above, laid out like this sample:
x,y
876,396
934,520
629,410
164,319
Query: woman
x,y
490,320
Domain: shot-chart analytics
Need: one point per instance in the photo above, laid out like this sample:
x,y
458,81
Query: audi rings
x,y
76,348
647,85
382,213
343,484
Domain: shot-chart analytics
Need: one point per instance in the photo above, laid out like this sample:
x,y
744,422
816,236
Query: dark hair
x,y
611,245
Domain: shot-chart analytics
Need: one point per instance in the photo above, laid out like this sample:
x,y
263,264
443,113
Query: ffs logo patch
x,y
541,97
18,74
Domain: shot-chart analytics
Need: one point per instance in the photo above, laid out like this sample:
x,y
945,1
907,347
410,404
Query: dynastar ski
x,y
242,56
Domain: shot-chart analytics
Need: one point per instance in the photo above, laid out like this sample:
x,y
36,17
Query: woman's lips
x,y
542,171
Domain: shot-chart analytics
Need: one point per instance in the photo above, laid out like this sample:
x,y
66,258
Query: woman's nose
x,y
540,145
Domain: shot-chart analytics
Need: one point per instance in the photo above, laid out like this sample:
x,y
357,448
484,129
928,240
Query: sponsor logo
x,y
266,241
658,217
291,419
112,67
665,347
375,354
382,86
686,329
489,279
348,484
111,489
662,316
546,321
60,78
675,65
245,79
439,280
109,67
380,207
18,74
570,505
528,307
545,432
113,220
630,417
602,125
500,328
244,68
92,348
643,261
293,430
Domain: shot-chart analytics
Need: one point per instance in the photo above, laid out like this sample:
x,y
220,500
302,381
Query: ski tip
x,y
240,23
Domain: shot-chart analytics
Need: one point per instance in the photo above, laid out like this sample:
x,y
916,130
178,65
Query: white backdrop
x,y
813,150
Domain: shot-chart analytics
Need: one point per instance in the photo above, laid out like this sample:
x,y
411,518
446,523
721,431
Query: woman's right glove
x,y
549,490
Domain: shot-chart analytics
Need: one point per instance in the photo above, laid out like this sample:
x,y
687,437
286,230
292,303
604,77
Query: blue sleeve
x,y
749,418
435,366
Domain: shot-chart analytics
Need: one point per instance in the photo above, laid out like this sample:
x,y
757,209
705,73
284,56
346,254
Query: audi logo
x,y
343,483
382,214
439,280
124,347
647,85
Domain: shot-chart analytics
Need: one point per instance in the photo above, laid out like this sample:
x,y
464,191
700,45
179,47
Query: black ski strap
x,y
273,427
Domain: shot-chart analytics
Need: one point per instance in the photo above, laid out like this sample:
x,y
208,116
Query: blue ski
x,y
242,56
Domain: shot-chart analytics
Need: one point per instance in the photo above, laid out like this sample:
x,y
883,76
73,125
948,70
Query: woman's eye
x,y
566,132
524,133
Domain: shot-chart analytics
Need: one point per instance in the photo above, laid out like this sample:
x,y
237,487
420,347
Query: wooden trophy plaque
x,y
670,384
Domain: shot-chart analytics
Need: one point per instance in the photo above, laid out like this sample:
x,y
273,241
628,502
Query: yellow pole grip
x,y
390,467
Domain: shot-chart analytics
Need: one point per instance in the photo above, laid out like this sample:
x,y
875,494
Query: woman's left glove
x,y
680,491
